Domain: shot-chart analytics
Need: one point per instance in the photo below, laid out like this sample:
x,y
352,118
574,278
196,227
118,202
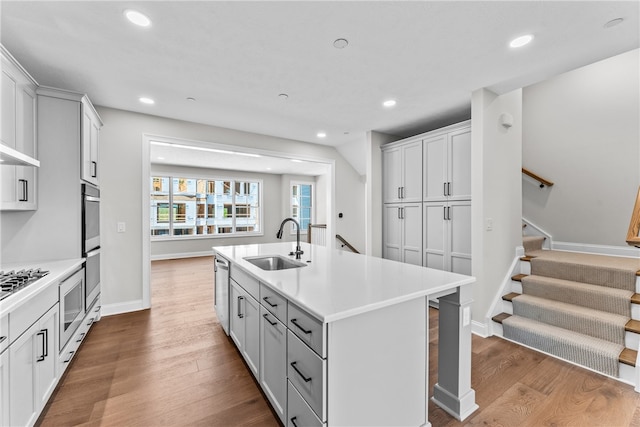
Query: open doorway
x,y
198,194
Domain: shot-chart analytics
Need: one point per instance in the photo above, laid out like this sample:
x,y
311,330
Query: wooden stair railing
x,y
633,236
538,178
310,229
347,244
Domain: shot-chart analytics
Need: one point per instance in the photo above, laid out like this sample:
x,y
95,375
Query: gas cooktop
x,y
13,281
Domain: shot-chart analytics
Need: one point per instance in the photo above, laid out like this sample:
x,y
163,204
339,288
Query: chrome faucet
x,y
279,236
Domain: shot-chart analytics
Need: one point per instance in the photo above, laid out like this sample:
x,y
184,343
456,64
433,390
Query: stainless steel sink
x,y
274,262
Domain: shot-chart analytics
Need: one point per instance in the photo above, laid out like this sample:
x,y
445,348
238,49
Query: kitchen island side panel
x,y
378,367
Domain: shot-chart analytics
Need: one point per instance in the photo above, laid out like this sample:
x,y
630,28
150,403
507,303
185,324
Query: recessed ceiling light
x,y
296,161
613,22
160,158
389,103
283,96
137,18
321,135
340,43
192,99
268,169
145,100
521,41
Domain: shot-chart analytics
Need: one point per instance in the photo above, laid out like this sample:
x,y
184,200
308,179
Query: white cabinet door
x,y
9,87
245,325
33,369
392,175
4,388
460,237
411,189
23,353
459,165
251,349
89,143
46,376
435,235
402,233
392,233
273,361
435,165
236,320
447,236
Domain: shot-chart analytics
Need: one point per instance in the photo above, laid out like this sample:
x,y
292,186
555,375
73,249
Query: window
x,y
302,205
204,207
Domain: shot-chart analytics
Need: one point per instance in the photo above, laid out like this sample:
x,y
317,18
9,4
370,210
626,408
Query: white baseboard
x,y
159,257
480,329
623,251
122,307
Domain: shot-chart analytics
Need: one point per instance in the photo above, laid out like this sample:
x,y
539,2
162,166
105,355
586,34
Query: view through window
x,y
204,207
302,205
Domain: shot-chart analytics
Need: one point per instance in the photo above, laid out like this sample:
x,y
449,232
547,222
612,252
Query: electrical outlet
x,y
122,227
466,316
489,225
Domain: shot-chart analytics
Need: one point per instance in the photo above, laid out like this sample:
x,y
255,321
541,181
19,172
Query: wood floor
x,y
173,366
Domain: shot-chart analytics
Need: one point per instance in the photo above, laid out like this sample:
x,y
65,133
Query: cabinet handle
x,y
449,213
300,327
293,421
240,315
399,194
91,321
25,190
402,192
2,339
444,188
81,337
70,357
293,365
266,316
448,188
44,345
266,299
94,167
444,213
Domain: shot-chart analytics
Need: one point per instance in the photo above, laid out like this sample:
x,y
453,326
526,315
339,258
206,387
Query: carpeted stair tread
x,y
532,243
626,356
594,353
587,321
603,270
591,296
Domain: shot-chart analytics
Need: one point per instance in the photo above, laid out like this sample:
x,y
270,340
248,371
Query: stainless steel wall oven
x,y
91,242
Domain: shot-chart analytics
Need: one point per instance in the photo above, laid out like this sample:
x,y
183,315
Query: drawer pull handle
x,y
300,327
240,315
306,380
293,421
2,339
266,316
91,321
70,356
42,356
80,337
266,299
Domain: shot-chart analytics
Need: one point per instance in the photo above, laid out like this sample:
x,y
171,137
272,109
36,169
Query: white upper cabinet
x,y
91,125
18,135
402,170
447,160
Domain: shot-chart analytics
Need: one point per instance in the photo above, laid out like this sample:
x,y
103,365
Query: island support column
x,y
453,392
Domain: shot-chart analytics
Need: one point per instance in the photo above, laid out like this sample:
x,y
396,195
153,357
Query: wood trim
x,y
538,178
633,238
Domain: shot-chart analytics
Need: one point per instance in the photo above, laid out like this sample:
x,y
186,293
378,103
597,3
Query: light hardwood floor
x,y
173,366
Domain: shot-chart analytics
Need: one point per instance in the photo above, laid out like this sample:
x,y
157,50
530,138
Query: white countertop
x,y
337,284
58,270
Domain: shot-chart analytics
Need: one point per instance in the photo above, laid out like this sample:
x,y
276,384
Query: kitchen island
x,y
342,338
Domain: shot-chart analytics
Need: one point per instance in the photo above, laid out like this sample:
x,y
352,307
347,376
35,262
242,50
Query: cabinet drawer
x,y
307,328
274,302
248,282
306,371
299,413
4,332
27,314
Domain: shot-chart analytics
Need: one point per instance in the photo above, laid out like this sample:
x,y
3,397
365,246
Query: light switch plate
x,y
122,227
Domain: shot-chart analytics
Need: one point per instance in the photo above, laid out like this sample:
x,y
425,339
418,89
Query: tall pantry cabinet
x,y
443,229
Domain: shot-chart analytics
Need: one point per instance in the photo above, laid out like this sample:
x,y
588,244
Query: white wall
x,y
496,193
121,142
271,217
582,131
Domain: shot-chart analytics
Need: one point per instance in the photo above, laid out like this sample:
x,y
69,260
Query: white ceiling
x,y
236,57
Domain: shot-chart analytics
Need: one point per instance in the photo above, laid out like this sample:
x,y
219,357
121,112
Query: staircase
x,y
580,307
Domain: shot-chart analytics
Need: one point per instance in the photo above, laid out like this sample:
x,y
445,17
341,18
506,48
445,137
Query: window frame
x,y
233,180
298,182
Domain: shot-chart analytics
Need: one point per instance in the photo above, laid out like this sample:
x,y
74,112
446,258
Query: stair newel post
x,y
453,392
